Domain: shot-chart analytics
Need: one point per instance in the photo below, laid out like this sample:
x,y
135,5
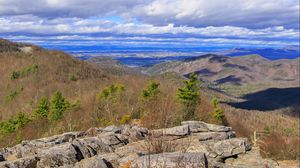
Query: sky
x,y
152,23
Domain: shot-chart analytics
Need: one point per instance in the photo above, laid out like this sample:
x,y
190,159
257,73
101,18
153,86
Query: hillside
x,y
113,66
243,77
239,71
29,77
45,93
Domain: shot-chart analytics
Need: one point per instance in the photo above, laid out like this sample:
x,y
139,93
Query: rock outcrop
x,y
193,144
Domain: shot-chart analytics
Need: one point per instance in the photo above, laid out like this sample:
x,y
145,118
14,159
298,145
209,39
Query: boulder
x,y
134,133
228,148
93,162
172,160
111,159
110,139
251,159
26,162
60,155
113,129
140,147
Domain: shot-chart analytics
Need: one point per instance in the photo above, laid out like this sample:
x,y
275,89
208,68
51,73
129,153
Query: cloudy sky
x,y
230,23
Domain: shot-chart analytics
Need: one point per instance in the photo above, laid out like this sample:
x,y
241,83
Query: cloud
x,y
197,13
66,8
242,13
173,22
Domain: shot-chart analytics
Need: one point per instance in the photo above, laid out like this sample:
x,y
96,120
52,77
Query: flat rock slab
x,y
174,131
216,136
199,126
171,160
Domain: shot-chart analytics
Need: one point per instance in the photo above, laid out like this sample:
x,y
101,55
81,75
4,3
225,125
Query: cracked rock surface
x,y
193,144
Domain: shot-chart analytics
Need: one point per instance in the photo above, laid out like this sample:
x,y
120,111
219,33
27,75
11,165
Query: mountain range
x,y
259,95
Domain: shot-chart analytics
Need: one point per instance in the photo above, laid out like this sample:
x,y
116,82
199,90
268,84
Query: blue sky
x,y
154,23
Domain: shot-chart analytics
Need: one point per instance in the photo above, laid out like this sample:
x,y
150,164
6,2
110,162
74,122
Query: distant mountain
x,y
243,71
113,66
269,53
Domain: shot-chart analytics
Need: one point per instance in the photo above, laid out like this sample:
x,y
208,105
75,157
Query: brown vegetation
x,y
81,82
282,140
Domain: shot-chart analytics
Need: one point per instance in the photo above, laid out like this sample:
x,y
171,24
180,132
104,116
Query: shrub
x,y
8,126
24,72
14,123
21,120
43,108
15,75
151,91
73,78
13,94
58,106
189,96
125,119
218,112
111,92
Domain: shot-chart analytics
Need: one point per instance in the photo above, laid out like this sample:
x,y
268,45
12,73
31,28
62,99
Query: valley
x,y
99,92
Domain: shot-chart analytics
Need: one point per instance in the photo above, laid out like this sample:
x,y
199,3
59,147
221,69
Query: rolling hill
x,y
251,72
30,74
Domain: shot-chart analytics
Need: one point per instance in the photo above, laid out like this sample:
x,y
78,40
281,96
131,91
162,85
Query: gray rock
x,y
30,148
113,129
109,138
229,147
195,126
111,158
199,126
174,131
93,162
134,133
60,155
216,136
217,128
91,146
26,162
251,159
172,160
140,147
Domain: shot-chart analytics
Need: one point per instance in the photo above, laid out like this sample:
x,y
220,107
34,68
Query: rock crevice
x,y
193,144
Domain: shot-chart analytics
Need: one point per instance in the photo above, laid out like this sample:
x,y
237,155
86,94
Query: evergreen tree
x,y
21,120
151,91
43,108
189,96
218,112
58,106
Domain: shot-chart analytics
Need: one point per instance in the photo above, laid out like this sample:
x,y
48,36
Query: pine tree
x,y
151,91
218,112
43,108
189,96
58,106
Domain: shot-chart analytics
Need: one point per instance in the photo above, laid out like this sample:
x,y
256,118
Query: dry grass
x,y
54,71
283,142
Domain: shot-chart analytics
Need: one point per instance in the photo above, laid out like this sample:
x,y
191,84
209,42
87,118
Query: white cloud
x,y
243,13
192,22
85,26
199,13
